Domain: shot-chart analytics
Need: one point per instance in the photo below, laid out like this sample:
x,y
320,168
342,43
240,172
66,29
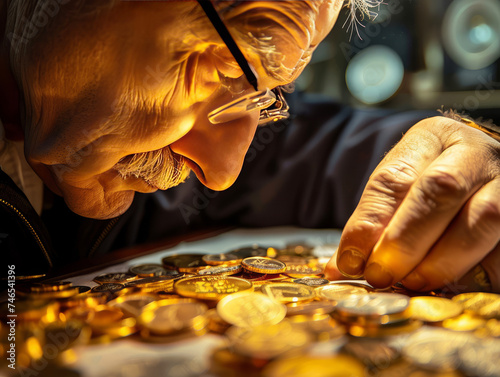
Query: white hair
x,y
358,10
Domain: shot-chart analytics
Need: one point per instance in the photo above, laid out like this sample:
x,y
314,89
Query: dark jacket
x,y
308,171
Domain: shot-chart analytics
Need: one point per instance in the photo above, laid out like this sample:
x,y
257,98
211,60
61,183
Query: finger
x,y
467,241
491,265
384,192
331,270
425,213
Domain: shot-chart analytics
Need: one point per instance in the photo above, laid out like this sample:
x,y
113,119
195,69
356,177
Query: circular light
x,y
375,74
471,32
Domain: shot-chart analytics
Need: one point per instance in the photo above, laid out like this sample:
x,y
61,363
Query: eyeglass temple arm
x,y
221,29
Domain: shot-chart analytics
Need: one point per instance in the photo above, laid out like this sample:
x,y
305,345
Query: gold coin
x,y
259,279
154,283
289,292
72,331
301,270
373,304
464,322
90,299
250,309
268,341
169,294
211,287
80,313
297,249
200,328
218,259
105,315
407,368
184,262
252,251
65,293
132,305
301,366
30,277
309,308
321,326
172,315
221,270
392,329
144,282
125,291
263,265
337,292
435,349
116,329
50,287
115,277
224,362
433,309
484,304
215,322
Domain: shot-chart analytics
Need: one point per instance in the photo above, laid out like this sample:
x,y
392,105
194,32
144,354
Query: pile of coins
x,y
276,312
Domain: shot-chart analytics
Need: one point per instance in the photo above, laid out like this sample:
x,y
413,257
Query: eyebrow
x,y
227,38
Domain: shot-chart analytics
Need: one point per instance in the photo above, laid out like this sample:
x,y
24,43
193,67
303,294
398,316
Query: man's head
x,y
115,95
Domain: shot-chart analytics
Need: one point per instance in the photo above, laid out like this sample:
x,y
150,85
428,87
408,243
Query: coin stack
x,y
277,313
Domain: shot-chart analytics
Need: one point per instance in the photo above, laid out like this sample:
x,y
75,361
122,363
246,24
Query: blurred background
x,y
416,54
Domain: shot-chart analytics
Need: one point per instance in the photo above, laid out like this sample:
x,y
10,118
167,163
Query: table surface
x,y
189,357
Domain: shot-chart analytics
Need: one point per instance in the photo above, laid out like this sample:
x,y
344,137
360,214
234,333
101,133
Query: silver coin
x,y
480,357
252,251
263,265
338,292
312,282
108,287
147,270
82,288
221,270
115,277
374,353
373,304
214,259
133,304
435,349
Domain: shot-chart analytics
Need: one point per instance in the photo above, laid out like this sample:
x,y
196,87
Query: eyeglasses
x,y
271,103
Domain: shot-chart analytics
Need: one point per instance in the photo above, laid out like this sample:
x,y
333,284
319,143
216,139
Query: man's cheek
x,y
97,204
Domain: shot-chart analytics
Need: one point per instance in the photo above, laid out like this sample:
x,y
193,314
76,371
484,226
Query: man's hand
x,y
429,213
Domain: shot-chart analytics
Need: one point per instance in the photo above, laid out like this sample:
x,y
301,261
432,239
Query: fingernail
x,y
414,281
351,263
378,276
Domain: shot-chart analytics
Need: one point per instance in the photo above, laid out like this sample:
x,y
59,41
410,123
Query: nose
x,y
217,150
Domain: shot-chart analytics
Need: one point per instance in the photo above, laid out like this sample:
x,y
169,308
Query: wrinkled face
x,y
116,100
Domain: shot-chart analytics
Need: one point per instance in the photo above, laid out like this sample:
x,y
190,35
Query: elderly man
x,y
118,97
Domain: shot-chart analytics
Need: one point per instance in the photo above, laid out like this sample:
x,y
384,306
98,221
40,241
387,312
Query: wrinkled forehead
x,y
279,34
282,33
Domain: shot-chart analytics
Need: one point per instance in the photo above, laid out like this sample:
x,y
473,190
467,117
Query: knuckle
x,y
487,225
441,188
366,226
393,180
438,276
490,209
